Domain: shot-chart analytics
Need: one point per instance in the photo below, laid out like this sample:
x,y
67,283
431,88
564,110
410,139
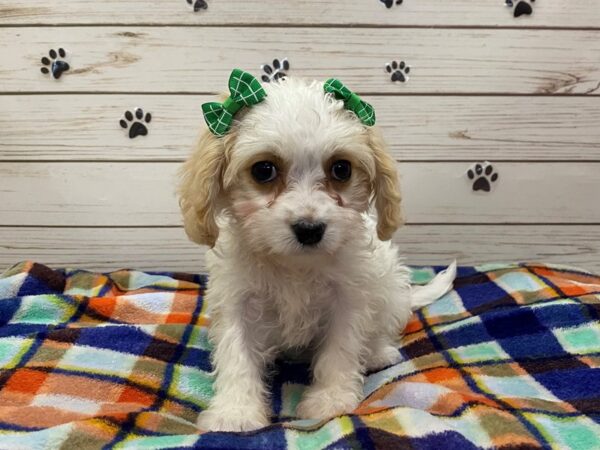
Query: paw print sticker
x,y
137,124
389,3
520,7
55,65
276,71
483,176
398,70
198,4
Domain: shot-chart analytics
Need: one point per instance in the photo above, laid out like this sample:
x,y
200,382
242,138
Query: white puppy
x,y
299,259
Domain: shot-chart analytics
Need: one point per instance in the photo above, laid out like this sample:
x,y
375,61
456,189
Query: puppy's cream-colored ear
x,y
386,187
200,189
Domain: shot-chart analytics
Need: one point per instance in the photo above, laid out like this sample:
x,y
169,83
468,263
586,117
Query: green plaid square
x,y
580,340
192,384
576,433
12,350
47,309
485,351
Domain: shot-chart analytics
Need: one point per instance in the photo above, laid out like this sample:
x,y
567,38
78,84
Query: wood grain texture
x,y
199,59
143,194
102,248
85,127
167,249
564,13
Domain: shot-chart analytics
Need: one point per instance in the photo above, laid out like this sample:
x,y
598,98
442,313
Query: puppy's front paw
x,y
321,403
232,419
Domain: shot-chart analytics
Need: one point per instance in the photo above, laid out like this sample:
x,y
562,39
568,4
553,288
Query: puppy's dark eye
x,y
264,171
341,170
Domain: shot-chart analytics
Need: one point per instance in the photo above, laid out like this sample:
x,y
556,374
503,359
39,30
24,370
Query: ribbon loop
x,y
352,102
245,90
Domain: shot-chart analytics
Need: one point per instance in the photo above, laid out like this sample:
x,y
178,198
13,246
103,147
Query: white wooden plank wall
x,y
195,59
520,92
425,13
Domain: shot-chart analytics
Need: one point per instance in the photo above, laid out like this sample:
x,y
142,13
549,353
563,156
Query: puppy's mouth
x,y
309,255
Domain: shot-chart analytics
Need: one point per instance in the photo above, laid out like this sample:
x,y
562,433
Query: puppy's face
x,y
299,174
296,174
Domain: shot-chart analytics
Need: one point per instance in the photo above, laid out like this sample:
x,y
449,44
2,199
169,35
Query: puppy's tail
x,y
440,285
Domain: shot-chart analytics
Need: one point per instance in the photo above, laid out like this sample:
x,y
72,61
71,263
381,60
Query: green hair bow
x,y
352,102
245,90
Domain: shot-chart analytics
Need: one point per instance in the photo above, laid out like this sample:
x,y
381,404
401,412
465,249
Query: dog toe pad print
x,y
521,7
389,3
276,71
137,125
54,63
483,176
198,4
398,71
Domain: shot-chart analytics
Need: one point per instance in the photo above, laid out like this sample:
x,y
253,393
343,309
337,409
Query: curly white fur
x,y
346,299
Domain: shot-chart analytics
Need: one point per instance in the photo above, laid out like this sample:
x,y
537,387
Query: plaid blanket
x,y
509,359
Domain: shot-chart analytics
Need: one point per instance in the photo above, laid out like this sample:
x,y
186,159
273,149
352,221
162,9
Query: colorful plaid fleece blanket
x,y
510,359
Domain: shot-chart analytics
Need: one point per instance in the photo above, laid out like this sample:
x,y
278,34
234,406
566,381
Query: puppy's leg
x,y
337,370
392,314
381,353
239,360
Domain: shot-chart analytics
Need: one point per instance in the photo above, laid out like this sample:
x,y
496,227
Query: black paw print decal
x,y
198,4
398,70
137,125
484,176
520,7
276,71
390,3
55,64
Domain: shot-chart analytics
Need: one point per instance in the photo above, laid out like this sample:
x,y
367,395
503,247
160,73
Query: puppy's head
x,y
296,173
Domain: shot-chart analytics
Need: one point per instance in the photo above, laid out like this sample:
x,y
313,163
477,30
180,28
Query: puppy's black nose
x,y
309,233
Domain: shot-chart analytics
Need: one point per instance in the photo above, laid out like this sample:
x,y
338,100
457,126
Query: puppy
x,y
298,203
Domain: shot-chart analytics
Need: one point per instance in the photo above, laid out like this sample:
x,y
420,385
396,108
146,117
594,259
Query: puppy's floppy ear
x,y
200,189
386,187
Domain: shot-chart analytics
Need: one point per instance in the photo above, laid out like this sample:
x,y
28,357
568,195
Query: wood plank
x,y
167,249
574,245
85,127
566,13
102,249
142,194
199,59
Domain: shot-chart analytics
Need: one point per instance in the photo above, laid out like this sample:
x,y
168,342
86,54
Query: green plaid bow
x,y
352,102
245,91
